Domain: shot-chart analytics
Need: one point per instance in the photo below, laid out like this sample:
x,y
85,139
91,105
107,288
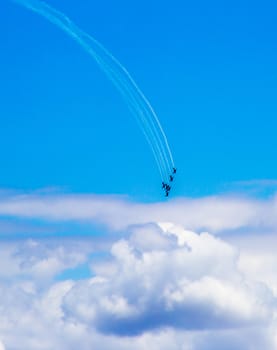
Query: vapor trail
x,y
117,73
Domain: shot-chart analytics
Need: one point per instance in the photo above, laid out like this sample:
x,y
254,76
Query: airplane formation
x,y
166,186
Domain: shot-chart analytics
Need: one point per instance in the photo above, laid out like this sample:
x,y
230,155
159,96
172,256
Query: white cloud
x,y
217,213
194,284
160,286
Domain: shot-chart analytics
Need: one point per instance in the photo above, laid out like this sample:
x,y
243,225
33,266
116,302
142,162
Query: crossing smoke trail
x,y
120,77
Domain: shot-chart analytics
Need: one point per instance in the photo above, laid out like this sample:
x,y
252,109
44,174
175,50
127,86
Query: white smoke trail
x,y
121,78
132,89
134,105
134,108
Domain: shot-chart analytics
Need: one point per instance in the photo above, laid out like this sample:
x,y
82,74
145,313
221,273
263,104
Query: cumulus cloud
x,y
193,282
159,285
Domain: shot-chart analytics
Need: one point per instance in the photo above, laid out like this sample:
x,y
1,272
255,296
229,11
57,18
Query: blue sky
x,y
208,69
92,256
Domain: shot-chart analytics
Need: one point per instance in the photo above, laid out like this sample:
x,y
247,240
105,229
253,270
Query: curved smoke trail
x,y
117,73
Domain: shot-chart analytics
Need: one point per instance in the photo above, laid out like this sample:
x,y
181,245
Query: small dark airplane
x,y
166,194
174,170
168,188
163,185
171,178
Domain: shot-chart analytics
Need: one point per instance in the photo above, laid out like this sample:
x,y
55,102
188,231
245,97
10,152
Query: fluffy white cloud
x,y
192,283
159,286
40,261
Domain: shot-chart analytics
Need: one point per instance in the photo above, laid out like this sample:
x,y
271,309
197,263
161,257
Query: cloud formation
x,y
193,284
161,286
215,214
172,275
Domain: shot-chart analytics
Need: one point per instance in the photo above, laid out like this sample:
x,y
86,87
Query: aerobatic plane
x,y
166,186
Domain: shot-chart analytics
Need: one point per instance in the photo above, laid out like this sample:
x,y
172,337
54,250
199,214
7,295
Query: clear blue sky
x,y
208,68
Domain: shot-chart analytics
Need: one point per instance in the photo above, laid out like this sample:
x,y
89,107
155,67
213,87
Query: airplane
x,y
166,186
174,170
